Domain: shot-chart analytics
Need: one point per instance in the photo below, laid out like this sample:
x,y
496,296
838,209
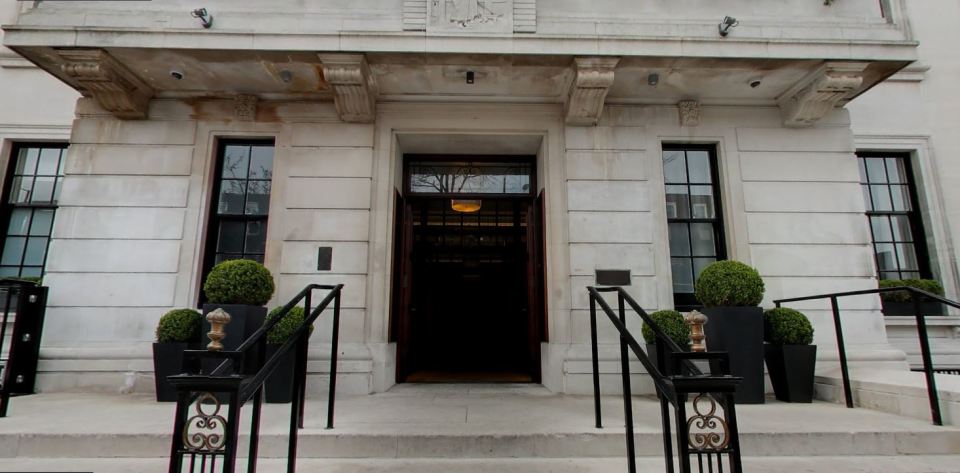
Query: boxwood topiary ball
x,y
785,326
671,322
239,281
729,284
179,326
928,285
280,333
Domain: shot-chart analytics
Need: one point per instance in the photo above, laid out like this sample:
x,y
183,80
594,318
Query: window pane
x,y
6,271
679,242
20,190
56,188
31,272
27,164
49,160
236,161
256,237
881,198
909,275
901,198
258,197
701,202
43,190
470,178
908,256
682,275
232,194
699,264
875,170
863,170
889,275
866,198
701,235
886,260
261,162
12,251
230,239
698,163
36,249
677,202
674,169
901,228
19,222
896,171
881,229
42,222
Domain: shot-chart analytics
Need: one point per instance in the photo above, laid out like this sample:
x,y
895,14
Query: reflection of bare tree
x,y
448,180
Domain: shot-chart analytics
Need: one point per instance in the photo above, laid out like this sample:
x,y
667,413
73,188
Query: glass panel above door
x,y
449,177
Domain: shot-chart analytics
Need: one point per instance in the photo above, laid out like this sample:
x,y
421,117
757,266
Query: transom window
x,y
475,177
694,221
238,223
34,180
895,223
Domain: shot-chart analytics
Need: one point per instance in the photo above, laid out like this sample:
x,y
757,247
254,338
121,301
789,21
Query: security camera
x,y
755,82
725,25
176,74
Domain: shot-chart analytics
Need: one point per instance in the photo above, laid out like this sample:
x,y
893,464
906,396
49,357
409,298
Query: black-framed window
x,y
895,223
31,191
241,200
694,219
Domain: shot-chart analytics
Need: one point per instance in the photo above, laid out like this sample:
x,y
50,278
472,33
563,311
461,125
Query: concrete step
x,y
794,464
456,422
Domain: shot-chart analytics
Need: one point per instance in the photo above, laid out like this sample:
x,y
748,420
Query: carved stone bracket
x,y
118,90
689,112
818,93
245,108
592,79
354,88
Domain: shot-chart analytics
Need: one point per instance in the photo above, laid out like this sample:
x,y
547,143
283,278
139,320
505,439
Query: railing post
x,y
627,394
730,413
232,433
842,352
179,421
295,409
683,447
667,435
255,417
596,363
5,386
927,361
332,395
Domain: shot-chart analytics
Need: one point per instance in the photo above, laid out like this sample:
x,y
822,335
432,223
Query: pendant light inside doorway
x,y
465,205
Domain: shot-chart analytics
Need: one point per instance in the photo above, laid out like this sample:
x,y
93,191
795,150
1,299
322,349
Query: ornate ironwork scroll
x,y
205,432
706,431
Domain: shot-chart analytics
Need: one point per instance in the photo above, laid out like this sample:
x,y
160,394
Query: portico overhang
x,y
124,78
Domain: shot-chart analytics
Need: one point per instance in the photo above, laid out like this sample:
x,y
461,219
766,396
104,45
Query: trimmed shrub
x,y
928,285
239,281
179,326
34,279
671,322
785,326
729,284
280,333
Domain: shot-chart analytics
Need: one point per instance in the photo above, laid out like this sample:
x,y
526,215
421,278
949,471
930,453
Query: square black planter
x,y
739,332
279,385
244,321
906,308
167,361
791,370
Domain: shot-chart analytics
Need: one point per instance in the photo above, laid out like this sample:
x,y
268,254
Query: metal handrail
x,y
665,384
241,387
916,296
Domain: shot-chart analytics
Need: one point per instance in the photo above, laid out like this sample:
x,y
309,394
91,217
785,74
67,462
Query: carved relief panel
x,y
495,16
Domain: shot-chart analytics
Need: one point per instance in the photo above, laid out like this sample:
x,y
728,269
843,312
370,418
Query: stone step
x,y
792,464
447,423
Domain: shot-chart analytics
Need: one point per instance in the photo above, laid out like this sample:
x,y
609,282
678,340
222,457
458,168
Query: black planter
x,y
906,308
244,320
791,370
167,361
279,385
739,332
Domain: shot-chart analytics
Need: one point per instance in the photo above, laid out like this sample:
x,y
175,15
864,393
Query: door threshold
x,y
467,377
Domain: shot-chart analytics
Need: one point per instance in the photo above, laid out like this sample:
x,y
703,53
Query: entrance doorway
x,y
468,272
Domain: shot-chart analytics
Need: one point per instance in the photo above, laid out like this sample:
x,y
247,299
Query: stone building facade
x,y
610,129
